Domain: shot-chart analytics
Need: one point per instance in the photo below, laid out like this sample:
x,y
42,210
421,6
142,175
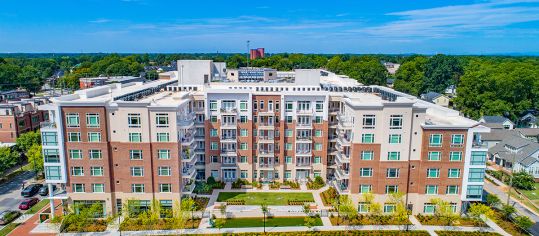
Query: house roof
x,y
499,134
525,149
495,119
528,131
430,96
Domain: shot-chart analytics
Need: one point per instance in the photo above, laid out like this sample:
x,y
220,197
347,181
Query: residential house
x,y
436,98
528,119
497,122
516,154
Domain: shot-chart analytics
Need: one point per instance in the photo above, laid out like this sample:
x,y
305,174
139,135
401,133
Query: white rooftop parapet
x,y
307,77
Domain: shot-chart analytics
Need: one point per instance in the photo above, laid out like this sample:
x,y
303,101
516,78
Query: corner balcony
x,y
187,140
342,173
188,157
189,172
342,188
188,189
229,110
344,121
48,125
344,140
186,121
342,157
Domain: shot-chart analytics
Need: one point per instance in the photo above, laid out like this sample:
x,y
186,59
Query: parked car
x,y
27,203
7,216
44,191
31,190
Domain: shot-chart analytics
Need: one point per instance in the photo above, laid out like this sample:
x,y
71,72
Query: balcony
x,y
344,139
304,164
304,125
48,125
344,121
188,157
186,121
200,149
187,139
304,138
199,109
305,111
341,187
266,125
266,165
334,109
229,125
479,144
228,138
266,139
229,163
189,172
228,152
301,152
229,110
188,189
265,152
342,173
343,157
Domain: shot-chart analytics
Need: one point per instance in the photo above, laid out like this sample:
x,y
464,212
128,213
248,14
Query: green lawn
x,y
532,194
275,199
9,227
37,207
270,222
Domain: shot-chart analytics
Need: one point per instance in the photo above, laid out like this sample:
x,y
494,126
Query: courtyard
x,y
268,198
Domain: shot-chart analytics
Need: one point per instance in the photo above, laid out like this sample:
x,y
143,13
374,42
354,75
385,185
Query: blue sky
x,y
338,26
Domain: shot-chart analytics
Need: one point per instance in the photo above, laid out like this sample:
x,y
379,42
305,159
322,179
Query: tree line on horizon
x,y
486,85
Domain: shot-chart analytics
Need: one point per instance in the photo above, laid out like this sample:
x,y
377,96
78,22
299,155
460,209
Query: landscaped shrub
x,y
328,196
275,185
335,233
298,202
462,233
435,220
316,184
235,202
292,184
201,203
366,220
239,182
210,180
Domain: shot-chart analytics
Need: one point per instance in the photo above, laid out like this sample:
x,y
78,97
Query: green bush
x,y
462,233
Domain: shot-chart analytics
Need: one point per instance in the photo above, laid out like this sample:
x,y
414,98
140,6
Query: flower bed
x,y
235,202
298,202
136,224
93,226
462,233
329,196
201,203
367,220
461,221
292,184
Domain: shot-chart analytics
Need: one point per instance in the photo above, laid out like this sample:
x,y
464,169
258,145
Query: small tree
x,y
346,207
507,211
35,158
8,159
188,204
27,140
309,222
444,211
523,222
477,209
179,217
401,213
222,209
523,180
210,180
493,200
219,223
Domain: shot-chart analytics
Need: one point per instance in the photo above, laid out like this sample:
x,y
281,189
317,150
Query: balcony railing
x,y
303,164
229,110
300,151
304,138
304,125
266,165
479,144
228,124
188,189
266,124
304,111
188,172
228,138
265,152
334,109
268,138
48,124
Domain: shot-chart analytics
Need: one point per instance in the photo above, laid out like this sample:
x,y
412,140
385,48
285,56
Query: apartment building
x,y
132,143
18,117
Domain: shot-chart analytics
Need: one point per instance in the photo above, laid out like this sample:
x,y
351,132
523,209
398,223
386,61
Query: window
x,y
365,172
94,137
474,191
478,158
317,146
435,140
367,138
288,133
318,133
243,146
318,120
369,121
289,106
49,138
455,156
96,171
243,133
319,106
243,159
137,188
161,120
165,188
289,119
52,173
135,154
214,159
243,105
393,156
94,154
261,105
133,120
395,122
367,155
75,154
433,173
363,207
213,119
394,138
73,136
163,170
214,146
287,174
77,171
288,146
365,188
392,189
72,120
137,171
92,120
163,154
434,156
452,189
135,137
78,188
243,119
457,140
288,159
213,105
431,189
389,208
317,160
476,175
215,173
429,208
213,133
244,174
98,188
453,173
163,137
51,156
392,172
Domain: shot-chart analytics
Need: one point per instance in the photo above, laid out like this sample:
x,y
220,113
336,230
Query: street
x,y
491,188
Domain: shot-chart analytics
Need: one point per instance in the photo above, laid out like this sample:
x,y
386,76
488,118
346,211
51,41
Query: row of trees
x,y
29,145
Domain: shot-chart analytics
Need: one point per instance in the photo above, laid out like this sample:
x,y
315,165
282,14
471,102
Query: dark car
x,y
44,191
27,203
31,190
7,216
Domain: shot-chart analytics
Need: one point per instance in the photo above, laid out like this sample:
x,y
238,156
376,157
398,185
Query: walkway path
x,y
30,225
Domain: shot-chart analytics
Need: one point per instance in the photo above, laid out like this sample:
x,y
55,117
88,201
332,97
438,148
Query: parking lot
x,y
10,193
